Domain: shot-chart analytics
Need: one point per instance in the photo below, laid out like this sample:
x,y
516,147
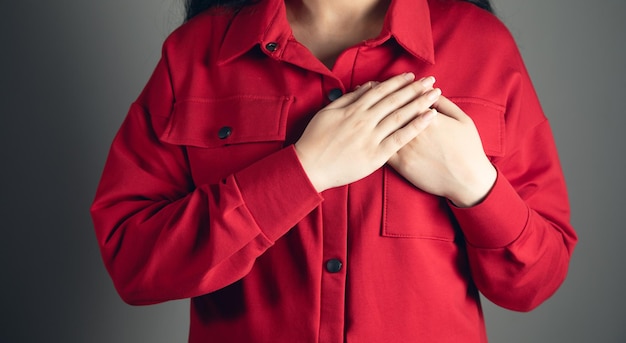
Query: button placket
x,y
332,87
335,261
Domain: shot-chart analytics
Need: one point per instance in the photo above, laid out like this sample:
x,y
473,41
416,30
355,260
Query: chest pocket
x,y
224,135
411,213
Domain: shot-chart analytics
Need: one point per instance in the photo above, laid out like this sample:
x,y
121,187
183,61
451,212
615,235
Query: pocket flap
x,y
489,120
210,123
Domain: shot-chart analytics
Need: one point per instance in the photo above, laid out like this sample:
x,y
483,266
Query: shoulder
x,y
202,33
462,18
472,30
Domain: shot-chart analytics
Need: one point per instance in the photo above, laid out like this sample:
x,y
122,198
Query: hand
x,y
448,159
357,133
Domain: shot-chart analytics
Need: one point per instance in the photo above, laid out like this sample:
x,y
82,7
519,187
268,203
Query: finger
x,y
408,112
407,95
349,98
383,89
447,107
407,133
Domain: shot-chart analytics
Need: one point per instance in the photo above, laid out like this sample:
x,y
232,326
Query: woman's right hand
x,y
358,133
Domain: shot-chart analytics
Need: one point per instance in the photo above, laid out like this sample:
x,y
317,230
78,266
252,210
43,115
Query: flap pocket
x,y
412,213
212,123
409,212
489,120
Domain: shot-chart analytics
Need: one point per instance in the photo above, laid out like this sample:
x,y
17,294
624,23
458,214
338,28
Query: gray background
x,y
70,68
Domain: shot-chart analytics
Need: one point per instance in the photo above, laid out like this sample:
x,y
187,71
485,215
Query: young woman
x,y
336,171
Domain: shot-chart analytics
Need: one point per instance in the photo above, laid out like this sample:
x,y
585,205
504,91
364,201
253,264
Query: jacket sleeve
x,y
519,239
161,236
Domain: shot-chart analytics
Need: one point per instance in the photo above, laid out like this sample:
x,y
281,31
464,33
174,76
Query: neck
x,y
336,13
327,27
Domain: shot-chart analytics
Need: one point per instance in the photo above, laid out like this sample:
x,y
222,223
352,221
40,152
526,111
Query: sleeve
x,y
161,236
519,239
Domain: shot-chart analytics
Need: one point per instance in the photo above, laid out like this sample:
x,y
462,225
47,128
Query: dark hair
x,y
484,4
193,7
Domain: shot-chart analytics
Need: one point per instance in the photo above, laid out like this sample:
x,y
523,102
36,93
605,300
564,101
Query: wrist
x,y
310,169
476,189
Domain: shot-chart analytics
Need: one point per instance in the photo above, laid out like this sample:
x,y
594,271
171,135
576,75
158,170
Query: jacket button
x,y
333,265
272,46
224,132
334,94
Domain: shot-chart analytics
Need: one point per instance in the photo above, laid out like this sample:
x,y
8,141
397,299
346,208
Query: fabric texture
x,y
203,196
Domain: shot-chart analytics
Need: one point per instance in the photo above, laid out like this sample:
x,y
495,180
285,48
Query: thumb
x,y
446,107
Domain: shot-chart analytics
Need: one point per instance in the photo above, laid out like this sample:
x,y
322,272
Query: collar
x,y
407,21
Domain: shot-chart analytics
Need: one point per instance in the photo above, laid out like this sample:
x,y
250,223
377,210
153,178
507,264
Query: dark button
x,y
333,265
272,46
224,132
334,94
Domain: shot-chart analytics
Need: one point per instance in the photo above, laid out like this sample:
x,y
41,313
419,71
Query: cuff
x,y
496,221
277,192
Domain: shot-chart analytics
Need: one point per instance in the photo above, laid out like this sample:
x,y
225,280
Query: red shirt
x,y
203,196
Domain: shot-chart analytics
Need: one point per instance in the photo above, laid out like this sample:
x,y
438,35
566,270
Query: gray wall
x,y
70,69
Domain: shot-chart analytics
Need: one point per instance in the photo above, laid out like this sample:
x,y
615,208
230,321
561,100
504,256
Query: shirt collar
x,y
407,21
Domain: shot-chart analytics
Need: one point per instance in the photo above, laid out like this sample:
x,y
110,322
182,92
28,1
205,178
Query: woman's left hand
x,y
447,159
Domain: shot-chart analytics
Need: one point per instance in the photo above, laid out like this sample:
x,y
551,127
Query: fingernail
x,y
434,94
430,114
428,81
366,86
409,76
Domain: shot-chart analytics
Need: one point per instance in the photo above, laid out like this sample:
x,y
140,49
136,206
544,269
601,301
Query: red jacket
x,y
203,197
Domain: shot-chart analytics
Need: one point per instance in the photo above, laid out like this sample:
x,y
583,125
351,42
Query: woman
x,y
293,169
